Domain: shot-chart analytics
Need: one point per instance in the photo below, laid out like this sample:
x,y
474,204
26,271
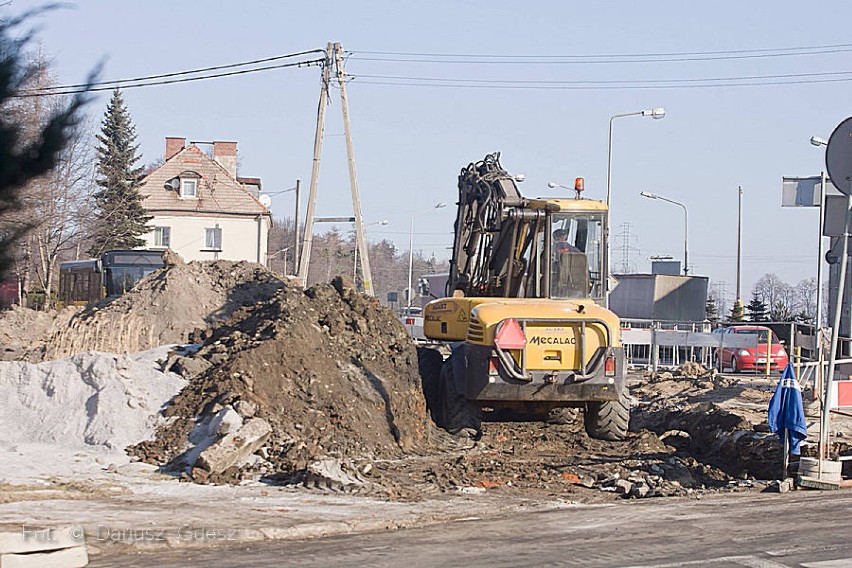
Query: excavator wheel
x,y
454,413
608,420
429,363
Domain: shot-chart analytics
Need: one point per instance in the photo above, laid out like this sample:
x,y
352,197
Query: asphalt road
x,y
799,529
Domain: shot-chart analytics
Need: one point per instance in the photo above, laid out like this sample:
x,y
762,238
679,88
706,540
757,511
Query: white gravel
x,y
67,417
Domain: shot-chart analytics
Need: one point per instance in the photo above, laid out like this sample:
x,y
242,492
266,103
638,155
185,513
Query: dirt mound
x,y
19,327
163,308
331,371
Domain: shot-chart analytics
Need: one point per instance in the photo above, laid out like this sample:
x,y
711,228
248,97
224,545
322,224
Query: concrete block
x,y
75,557
235,447
623,487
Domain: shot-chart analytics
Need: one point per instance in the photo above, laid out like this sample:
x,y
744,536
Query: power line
x,y
626,86
179,73
669,54
603,82
591,59
113,85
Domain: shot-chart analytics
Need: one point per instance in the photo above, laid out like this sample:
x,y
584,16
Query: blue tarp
x,y
786,412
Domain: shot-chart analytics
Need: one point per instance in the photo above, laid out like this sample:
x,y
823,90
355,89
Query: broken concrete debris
x,y
236,445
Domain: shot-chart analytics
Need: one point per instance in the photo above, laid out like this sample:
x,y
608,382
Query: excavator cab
x,y
577,260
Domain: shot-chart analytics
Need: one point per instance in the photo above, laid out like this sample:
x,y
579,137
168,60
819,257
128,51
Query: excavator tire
x,y
429,363
455,413
608,420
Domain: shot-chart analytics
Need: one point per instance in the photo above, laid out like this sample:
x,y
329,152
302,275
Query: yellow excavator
x,y
524,314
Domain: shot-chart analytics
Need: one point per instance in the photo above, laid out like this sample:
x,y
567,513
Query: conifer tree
x,y
24,158
737,313
757,310
120,217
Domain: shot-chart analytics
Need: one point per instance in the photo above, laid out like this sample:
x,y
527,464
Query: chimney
x,y
226,154
173,146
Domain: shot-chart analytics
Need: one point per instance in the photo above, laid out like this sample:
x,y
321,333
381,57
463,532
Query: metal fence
x,y
669,344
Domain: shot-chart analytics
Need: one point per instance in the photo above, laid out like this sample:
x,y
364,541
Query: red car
x,y
753,358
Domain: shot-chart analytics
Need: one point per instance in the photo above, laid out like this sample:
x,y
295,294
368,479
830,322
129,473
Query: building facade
x,y
202,209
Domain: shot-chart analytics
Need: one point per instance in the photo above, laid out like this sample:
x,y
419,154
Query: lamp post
x,y
355,262
819,382
655,113
410,293
685,226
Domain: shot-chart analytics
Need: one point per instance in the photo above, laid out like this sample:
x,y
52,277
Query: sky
x,y
546,109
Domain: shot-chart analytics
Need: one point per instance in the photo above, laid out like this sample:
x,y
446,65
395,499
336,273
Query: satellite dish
x,y
265,200
838,157
173,183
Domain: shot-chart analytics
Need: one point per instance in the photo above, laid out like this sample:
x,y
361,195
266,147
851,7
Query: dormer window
x,y
189,185
189,188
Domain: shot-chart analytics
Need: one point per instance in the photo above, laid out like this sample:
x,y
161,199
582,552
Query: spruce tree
x,y
120,218
757,310
711,312
736,314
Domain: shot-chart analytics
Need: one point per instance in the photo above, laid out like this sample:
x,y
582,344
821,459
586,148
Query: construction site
x,y
199,368
224,374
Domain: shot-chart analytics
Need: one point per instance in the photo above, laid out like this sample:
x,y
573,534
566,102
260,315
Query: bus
x,y
117,271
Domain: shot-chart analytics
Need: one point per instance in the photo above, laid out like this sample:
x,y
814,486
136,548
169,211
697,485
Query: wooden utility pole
x,y
305,259
360,241
334,56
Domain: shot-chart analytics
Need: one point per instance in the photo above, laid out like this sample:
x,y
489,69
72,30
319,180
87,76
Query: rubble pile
x,y
308,375
721,423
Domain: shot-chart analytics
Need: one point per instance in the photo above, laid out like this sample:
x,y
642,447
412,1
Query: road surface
x,y
807,529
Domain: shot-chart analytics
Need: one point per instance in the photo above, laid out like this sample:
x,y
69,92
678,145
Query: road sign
x,y
838,156
804,191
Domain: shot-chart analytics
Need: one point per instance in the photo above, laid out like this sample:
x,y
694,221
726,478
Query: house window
x,y
213,239
162,237
189,188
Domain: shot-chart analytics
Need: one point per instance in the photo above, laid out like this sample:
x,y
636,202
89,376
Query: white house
x,y
202,210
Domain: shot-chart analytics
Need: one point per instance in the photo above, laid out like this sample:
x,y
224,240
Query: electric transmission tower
x,y
626,240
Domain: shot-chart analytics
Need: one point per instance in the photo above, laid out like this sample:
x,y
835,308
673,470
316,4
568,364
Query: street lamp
x,y
685,226
355,262
655,113
819,380
410,293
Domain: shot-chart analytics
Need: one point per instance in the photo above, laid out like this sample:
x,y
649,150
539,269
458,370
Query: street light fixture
x,y
817,141
410,292
685,226
655,113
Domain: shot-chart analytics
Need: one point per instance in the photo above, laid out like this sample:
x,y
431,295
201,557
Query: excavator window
x,y
577,255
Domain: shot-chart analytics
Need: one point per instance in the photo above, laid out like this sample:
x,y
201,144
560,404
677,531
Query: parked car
x,y
412,318
753,358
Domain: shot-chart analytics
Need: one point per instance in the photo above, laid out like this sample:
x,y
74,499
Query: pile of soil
x,y
332,371
163,308
720,422
19,328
